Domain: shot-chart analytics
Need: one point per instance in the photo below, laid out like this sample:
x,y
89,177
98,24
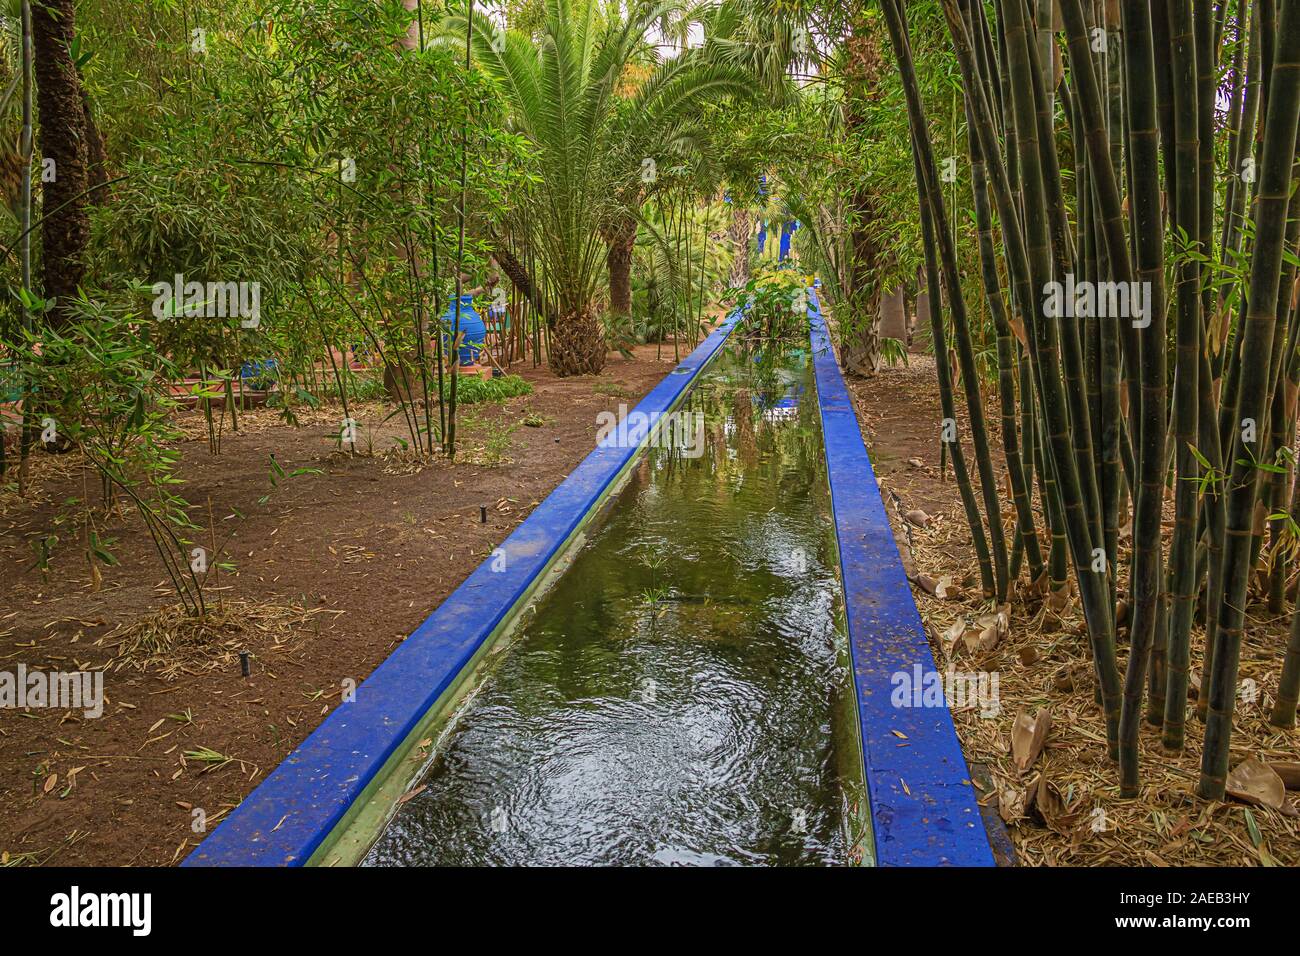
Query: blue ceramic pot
x,y
473,331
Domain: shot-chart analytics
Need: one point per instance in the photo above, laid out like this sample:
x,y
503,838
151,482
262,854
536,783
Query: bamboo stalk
x,y
1006,356
449,436
944,375
27,430
1030,265
1258,330
1182,558
1288,686
928,171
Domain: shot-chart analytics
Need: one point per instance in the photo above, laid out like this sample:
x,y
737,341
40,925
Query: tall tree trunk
x,y
619,262
96,153
738,232
860,322
65,228
860,350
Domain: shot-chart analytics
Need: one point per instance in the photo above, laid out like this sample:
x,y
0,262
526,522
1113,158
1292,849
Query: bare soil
x,y
332,568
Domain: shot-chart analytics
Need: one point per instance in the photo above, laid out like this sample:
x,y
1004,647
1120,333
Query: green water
x,y
681,694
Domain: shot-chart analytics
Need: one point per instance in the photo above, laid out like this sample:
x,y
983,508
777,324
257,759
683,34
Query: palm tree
x,y
591,144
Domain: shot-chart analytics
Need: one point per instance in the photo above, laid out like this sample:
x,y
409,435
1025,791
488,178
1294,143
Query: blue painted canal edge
x,y
300,803
923,805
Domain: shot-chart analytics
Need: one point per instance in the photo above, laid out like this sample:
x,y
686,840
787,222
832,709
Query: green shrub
x,y
473,391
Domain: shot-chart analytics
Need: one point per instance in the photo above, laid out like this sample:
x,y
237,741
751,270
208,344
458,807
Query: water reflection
x,y
672,701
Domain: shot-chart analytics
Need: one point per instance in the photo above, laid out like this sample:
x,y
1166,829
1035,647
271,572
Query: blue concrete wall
x,y
296,807
923,809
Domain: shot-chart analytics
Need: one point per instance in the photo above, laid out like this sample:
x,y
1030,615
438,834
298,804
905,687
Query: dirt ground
x,y
332,567
1064,808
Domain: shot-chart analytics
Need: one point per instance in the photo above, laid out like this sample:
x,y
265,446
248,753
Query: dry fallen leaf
x,y
1046,799
411,794
1289,771
950,638
1071,677
1011,804
994,626
988,638
1253,781
1028,734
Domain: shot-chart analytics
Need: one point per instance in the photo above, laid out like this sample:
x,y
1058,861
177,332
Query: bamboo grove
x,y
1141,155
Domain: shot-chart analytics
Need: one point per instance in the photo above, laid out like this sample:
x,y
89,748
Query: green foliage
x,y
775,303
472,390
324,185
893,352
101,387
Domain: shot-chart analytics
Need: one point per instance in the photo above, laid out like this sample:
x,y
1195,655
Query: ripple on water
x,y
679,714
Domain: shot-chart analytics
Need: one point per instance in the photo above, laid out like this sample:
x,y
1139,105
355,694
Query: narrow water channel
x,y
682,694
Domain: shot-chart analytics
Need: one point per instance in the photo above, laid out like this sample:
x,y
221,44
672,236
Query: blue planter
x,y
472,330
263,369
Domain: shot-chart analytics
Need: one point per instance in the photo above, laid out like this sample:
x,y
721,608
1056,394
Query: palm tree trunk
x,y
619,262
738,232
860,351
27,430
65,228
577,344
